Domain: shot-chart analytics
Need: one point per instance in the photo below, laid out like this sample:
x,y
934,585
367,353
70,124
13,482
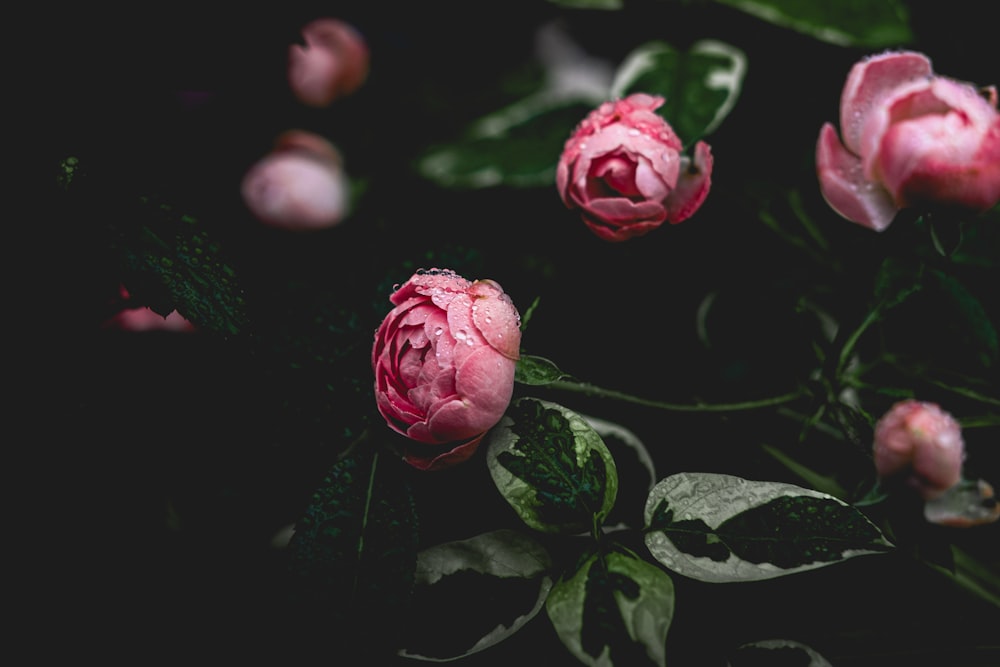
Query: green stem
x,y
852,340
594,390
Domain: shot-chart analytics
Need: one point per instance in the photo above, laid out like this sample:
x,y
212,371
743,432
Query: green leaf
x,y
172,262
700,86
354,552
590,4
721,528
531,370
776,652
552,467
506,572
859,23
615,609
896,281
518,146
969,318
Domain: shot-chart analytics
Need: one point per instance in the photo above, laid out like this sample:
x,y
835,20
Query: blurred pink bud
x,y
922,445
910,139
299,186
146,319
333,63
444,362
624,170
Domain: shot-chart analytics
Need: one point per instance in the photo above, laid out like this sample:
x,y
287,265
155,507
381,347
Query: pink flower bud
x,y
922,445
299,186
145,319
910,139
444,362
333,63
624,170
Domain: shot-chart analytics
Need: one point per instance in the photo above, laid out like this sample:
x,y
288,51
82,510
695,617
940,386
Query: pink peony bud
x,y
145,319
920,444
624,170
299,186
444,361
333,63
910,139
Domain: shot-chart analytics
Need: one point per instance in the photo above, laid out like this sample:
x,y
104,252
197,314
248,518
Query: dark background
x,y
161,465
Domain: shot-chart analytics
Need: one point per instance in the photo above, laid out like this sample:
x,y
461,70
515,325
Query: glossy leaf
x,y
517,146
614,609
506,574
700,86
552,467
532,370
354,552
172,257
776,652
862,23
721,528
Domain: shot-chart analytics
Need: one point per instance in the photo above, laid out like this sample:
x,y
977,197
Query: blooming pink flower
x,y
910,139
333,63
921,444
299,186
444,361
624,170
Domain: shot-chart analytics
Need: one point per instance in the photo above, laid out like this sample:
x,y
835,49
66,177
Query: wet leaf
x,y
504,572
614,609
700,86
720,528
866,23
552,467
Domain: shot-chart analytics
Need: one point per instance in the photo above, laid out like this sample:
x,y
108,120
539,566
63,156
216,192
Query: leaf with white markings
x,y
614,609
721,528
700,86
552,467
506,572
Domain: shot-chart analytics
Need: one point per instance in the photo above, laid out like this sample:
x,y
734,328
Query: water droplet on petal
x,y
437,332
633,132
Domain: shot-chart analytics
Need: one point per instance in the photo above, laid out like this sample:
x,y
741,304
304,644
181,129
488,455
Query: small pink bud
x,y
920,444
146,319
299,186
333,63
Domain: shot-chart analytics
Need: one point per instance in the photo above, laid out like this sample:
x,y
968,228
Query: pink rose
x,y
299,186
333,63
910,139
921,444
624,170
444,361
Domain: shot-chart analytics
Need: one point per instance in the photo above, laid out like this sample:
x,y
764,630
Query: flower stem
x,y
594,390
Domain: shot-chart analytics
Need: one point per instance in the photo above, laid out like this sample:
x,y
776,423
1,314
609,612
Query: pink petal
x,y
845,188
869,81
692,185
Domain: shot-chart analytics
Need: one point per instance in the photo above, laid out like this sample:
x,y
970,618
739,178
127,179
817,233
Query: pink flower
x,y
145,319
299,186
910,139
444,361
921,444
623,169
333,63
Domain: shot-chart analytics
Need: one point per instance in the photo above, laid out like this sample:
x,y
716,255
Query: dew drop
x,y
461,334
437,332
634,132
